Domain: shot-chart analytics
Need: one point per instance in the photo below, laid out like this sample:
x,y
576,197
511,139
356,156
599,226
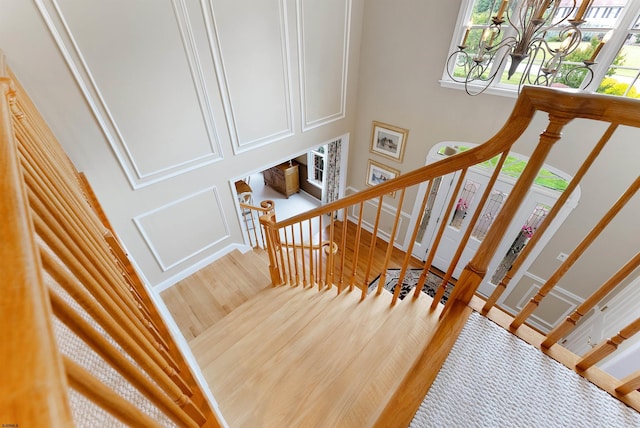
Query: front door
x,y
531,213
467,201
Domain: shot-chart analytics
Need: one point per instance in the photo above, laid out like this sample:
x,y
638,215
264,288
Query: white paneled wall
x,y
251,42
141,80
323,42
179,99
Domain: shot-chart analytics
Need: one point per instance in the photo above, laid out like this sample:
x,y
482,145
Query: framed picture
x,y
388,141
378,173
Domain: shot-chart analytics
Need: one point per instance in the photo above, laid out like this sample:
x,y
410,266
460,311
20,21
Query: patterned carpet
x,y
410,281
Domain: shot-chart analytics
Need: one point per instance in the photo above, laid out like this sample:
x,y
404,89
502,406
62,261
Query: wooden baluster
x,y
295,255
467,234
56,207
90,387
288,254
569,323
254,227
343,249
580,249
629,383
330,255
302,261
116,359
356,251
390,247
586,165
438,238
312,277
320,273
372,250
110,318
608,346
283,267
101,293
476,269
137,288
414,233
33,390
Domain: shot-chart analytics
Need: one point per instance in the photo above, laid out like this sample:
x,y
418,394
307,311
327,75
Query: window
x,y
616,68
315,166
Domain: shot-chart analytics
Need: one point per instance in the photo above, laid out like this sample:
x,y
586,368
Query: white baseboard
x,y
185,350
168,283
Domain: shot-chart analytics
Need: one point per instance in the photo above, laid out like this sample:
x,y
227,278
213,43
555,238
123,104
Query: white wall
x,y
162,103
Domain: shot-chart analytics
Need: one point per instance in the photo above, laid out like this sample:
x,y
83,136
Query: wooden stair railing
x,y
350,268
74,310
250,215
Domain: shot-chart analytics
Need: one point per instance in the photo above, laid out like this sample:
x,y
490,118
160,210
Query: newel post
x,y
272,237
474,273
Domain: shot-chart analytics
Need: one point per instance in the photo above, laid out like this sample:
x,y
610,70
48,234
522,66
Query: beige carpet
x,y
470,389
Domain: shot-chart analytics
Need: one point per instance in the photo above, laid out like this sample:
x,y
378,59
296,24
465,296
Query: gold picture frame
x,y
378,173
388,140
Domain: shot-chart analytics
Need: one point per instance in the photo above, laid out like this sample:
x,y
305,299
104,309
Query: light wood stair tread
x,y
294,356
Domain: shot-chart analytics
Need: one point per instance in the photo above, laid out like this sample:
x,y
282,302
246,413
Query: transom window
x,y
616,57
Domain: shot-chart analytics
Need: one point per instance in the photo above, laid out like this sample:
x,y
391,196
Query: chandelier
x,y
524,42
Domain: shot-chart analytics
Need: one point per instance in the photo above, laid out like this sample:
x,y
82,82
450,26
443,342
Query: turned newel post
x,y
475,271
268,222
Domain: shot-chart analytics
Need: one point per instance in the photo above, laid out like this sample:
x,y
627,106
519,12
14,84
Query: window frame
x,y
311,166
623,26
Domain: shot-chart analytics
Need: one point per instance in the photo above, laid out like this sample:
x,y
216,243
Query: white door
x,y
523,224
531,213
467,201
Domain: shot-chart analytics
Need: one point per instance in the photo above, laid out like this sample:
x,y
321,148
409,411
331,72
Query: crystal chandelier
x,y
523,42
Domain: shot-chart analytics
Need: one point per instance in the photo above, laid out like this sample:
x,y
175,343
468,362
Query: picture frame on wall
x,y
388,140
378,173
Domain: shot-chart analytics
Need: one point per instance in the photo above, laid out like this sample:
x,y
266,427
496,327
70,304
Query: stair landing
x,y
302,357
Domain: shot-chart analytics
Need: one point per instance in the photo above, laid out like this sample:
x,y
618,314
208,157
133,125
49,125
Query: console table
x,y
283,178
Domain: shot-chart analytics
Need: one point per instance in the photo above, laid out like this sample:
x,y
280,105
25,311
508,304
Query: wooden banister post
x,y
464,290
273,243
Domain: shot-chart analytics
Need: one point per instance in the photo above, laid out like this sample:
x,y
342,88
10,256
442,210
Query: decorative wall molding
x,y
310,123
239,144
139,221
572,301
173,280
70,50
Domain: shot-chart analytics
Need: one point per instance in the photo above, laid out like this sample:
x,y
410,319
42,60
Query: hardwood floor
x,y
294,356
300,357
206,297
365,254
201,300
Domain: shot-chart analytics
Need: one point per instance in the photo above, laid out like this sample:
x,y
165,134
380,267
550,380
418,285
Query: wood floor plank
x,y
206,297
293,356
298,373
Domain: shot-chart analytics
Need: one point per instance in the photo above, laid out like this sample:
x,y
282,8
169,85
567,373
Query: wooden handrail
x,y
33,374
572,105
562,107
53,228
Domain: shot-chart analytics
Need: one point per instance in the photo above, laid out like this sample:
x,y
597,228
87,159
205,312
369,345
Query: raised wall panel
x,y
250,40
323,43
555,307
138,67
183,228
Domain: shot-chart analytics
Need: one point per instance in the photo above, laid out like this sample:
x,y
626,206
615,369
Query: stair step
x,y
294,356
205,298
